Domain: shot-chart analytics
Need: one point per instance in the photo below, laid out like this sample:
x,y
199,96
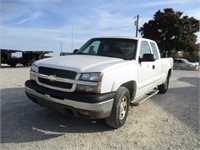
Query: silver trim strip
x,y
97,107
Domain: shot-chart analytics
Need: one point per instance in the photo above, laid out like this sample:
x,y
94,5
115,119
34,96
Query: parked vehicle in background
x,y
26,58
11,57
180,63
30,56
102,79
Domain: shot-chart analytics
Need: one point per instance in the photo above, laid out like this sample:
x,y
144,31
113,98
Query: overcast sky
x,y
45,24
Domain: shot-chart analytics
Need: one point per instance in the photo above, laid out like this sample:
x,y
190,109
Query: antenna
x,y
72,38
61,47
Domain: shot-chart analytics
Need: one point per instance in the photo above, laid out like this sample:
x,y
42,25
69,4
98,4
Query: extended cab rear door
x,y
157,70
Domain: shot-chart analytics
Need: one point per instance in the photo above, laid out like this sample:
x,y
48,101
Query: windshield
x,y
110,47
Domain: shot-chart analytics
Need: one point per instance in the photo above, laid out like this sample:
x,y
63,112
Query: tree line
x,y
173,32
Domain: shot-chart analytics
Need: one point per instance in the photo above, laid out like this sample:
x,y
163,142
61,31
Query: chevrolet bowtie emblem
x,y
52,78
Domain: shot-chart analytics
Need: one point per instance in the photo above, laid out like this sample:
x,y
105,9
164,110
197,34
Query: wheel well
x,y
131,86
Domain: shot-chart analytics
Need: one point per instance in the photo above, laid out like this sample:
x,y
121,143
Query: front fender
x,y
120,82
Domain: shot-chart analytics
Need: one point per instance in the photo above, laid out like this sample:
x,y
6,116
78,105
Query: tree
x,y
171,31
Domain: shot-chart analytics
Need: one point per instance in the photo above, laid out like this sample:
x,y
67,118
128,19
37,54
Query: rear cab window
x,y
155,50
144,48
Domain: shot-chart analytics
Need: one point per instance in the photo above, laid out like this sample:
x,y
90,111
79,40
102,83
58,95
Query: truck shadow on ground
x,y
24,121
182,102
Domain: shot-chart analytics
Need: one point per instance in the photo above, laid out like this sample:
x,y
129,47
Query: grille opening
x,y
58,72
57,97
56,84
40,92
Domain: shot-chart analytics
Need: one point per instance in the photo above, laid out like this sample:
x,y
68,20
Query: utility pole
x,y
137,24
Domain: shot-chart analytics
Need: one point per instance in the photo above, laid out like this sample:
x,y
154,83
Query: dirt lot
x,y
169,121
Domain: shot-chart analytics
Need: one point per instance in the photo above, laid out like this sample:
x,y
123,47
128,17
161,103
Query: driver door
x,y
145,71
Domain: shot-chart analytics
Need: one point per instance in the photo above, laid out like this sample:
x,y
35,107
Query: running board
x,y
142,99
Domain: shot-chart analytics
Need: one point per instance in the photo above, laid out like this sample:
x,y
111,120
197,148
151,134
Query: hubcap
x,y
123,108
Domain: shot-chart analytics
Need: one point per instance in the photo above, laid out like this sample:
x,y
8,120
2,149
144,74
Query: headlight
x,y
94,76
34,68
90,77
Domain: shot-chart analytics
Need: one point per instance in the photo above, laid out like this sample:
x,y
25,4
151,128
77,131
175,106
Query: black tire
x,y
12,65
163,88
24,64
120,108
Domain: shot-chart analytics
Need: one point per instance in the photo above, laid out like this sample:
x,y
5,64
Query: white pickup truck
x,y
102,79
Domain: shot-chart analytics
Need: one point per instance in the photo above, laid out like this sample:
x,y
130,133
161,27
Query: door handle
x,y
153,67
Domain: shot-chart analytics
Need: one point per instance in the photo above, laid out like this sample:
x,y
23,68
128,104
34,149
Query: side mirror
x,y
75,51
147,57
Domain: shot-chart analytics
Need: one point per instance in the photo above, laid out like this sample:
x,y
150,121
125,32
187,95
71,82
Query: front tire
x,y
120,109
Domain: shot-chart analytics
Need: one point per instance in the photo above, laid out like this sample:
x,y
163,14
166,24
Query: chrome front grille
x,y
55,83
56,78
57,72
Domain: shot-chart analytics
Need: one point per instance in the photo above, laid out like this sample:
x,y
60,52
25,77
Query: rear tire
x,y
120,109
163,88
13,65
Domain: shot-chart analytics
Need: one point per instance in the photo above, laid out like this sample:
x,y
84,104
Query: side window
x,y
155,50
180,61
92,48
144,49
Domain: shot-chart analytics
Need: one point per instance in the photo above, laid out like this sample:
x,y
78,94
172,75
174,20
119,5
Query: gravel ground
x,y
169,121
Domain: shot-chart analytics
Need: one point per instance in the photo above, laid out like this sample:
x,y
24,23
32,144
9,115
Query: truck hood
x,y
82,63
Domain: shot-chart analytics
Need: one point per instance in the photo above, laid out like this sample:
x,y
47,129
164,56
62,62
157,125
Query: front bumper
x,y
90,106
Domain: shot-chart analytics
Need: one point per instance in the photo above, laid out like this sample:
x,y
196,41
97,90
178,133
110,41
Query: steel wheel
x,y
123,108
